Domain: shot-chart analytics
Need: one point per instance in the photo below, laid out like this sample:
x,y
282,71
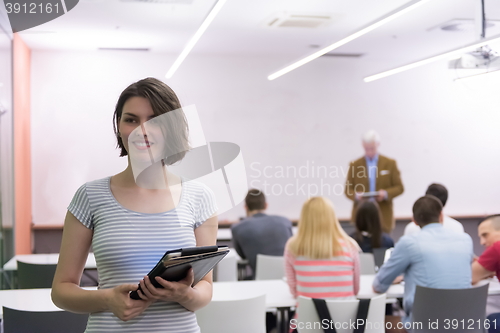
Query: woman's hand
x,y
124,307
171,292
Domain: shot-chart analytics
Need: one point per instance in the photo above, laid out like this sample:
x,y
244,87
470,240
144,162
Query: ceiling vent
x,y
123,49
300,20
465,25
343,55
336,54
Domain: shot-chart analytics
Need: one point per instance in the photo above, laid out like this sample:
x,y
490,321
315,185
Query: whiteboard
x,y
309,120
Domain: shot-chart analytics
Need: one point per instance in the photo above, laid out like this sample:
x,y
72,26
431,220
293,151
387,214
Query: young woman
x,y
368,232
131,219
321,261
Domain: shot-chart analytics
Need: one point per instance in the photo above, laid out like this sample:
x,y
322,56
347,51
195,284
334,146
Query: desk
x,y
51,259
224,234
397,290
277,293
41,259
29,299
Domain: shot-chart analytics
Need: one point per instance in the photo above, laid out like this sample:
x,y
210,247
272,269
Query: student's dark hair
x,y
427,210
255,200
368,218
162,99
439,191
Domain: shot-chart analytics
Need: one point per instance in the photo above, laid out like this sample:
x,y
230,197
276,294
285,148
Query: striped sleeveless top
x,y
128,244
336,277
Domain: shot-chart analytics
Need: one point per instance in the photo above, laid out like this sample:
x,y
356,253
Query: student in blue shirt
x,y
436,257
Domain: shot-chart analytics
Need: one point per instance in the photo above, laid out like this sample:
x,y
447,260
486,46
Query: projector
x,y
473,60
483,57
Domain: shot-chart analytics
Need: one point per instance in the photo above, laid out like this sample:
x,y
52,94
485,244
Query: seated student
x,y
310,254
260,233
435,257
488,264
440,192
368,234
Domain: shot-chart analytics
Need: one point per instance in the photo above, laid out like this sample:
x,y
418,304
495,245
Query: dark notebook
x,y
175,264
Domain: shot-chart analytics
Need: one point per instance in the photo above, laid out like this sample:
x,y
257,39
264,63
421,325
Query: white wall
x,y
438,131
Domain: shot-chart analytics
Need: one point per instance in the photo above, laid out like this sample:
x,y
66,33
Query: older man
x,y
375,176
435,257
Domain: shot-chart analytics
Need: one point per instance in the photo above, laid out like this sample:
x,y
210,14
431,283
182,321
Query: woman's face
x,y
141,137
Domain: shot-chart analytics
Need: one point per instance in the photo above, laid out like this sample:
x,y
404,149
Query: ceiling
x,y
240,28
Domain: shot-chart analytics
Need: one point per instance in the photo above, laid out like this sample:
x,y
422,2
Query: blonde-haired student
x,y
321,260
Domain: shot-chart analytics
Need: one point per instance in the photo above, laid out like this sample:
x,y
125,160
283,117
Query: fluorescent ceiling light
x,y
372,26
457,53
475,76
192,42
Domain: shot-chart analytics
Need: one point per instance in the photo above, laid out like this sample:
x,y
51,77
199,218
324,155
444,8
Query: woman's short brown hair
x,y
162,99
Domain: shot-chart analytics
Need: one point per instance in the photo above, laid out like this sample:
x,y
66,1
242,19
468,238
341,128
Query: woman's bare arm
x,y
66,291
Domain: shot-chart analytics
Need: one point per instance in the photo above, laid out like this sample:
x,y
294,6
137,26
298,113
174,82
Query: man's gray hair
x,y
371,137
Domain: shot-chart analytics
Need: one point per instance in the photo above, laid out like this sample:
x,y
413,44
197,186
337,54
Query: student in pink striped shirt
x,y
321,261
